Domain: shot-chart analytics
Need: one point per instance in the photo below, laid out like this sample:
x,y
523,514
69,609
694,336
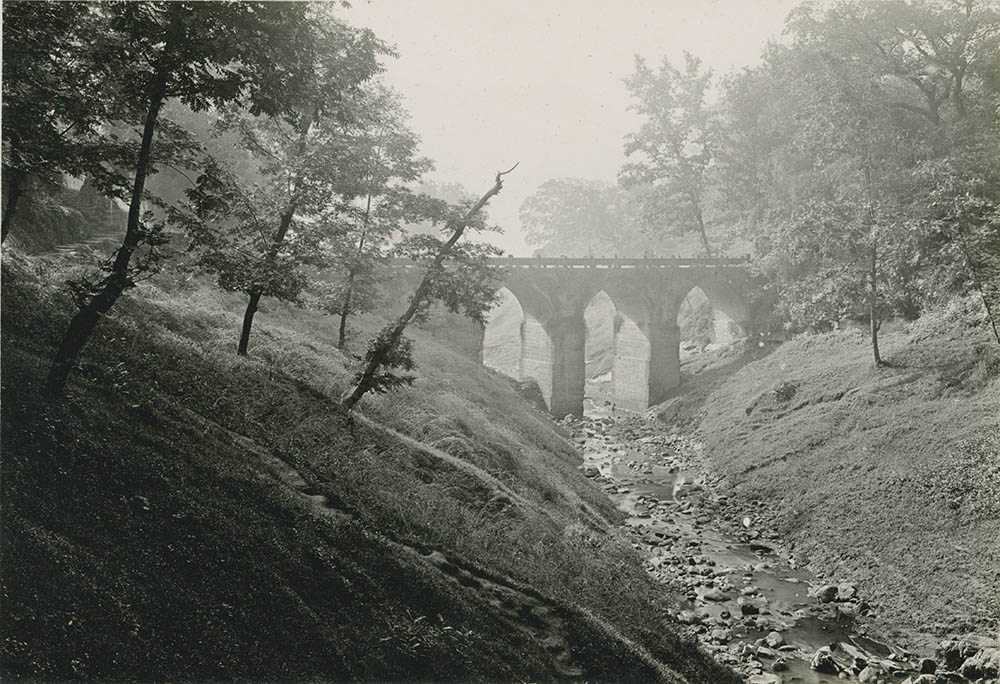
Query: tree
x,y
256,239
390,350
386,152
52,96
578,217
673,147
959,229
205,54
855,157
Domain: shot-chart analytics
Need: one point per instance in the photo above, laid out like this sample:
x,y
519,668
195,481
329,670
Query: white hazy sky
x,y
540,82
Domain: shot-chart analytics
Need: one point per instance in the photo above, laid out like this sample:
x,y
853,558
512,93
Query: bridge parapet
x,y
598,262
623,263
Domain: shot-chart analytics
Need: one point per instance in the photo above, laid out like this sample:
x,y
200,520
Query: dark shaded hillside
x,y
63,215
190,515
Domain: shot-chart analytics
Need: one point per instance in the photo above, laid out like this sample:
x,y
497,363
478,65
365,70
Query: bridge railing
x,y
602,262
631,262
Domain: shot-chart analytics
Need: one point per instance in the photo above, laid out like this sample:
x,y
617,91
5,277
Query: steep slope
x,y
889,477
188,515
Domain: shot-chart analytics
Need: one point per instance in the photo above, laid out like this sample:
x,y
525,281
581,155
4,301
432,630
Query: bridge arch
x,y
729,310
553,295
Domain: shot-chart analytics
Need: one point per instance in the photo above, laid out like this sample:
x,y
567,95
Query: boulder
x,y
774,640
872,673
827,593
953,652
983,665
822,661
688,617
751,606
765,678
721,636
845,591
927,666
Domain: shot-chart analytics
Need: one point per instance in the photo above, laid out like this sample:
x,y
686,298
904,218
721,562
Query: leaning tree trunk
x,y
385,345
111,288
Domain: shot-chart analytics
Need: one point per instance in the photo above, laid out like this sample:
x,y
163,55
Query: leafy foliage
x,y
673,147
855,158
51,93
386,156
390,356
257,236
579,217
466,281
388,350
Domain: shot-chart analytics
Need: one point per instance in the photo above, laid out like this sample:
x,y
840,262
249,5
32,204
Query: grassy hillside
x,y
886,477
187,514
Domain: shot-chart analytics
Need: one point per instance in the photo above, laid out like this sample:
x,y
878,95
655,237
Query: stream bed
x,y
746,599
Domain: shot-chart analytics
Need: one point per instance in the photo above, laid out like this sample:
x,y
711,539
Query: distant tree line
x,y
859,163
293,161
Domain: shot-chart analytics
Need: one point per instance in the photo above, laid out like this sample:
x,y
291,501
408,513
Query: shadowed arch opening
x,y
502,339
705,323
601,318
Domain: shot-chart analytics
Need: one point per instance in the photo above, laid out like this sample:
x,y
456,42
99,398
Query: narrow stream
x,y
747,602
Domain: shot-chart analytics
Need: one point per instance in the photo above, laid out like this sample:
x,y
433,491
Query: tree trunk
x,y
248,323
345,309
111,288
255,295
702,234
957,94
974,270
387,343
15,183
873,317
279,237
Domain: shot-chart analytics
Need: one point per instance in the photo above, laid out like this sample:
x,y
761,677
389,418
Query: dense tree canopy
x,y
579,217
257,236
860,158
674,147
145,54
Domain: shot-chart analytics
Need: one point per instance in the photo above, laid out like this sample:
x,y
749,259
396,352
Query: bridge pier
x,y
569,364
552,354
664,361
646,362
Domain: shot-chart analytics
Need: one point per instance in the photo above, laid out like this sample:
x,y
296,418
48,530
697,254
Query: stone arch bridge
x,y
647,294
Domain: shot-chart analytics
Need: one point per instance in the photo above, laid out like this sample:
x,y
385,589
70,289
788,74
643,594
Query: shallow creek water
x,y
747,602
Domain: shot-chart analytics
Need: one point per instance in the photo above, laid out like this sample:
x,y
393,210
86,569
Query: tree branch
x,y
387,342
